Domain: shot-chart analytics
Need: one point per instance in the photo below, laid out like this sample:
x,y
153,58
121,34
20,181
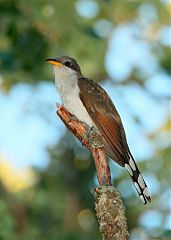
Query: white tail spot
x,y
137,187
145,192
132,164
142,198
141,181
129,169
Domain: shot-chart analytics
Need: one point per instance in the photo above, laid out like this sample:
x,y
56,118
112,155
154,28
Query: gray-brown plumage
x,y
89,102
106,118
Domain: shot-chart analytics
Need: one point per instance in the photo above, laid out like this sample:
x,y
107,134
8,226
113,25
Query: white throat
x,y
67,85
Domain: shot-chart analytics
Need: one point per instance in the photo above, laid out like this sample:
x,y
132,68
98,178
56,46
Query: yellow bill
x,y
54,62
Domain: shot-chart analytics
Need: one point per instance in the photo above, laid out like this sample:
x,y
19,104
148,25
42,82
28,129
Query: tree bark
x,y
108,204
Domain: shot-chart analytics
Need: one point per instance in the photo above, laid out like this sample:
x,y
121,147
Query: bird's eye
x,y
67,63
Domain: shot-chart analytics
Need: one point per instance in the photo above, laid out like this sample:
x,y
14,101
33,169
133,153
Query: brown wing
x,y
106,118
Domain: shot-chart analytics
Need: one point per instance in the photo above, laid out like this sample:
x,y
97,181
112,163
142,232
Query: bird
x,y
89,103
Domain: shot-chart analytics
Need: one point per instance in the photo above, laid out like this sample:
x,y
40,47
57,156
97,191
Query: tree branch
x,y
108,204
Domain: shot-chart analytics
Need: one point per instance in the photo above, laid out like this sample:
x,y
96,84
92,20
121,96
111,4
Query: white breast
x,y
66,81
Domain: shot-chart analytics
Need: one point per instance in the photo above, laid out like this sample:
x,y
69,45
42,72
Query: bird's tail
x,y
138,180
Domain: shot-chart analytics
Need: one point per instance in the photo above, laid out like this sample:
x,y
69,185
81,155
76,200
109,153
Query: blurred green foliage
x,y
59,205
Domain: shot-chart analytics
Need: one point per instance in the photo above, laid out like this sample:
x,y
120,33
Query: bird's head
x,y
64,64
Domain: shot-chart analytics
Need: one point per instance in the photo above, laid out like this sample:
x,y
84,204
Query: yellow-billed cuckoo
x,y
89,102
